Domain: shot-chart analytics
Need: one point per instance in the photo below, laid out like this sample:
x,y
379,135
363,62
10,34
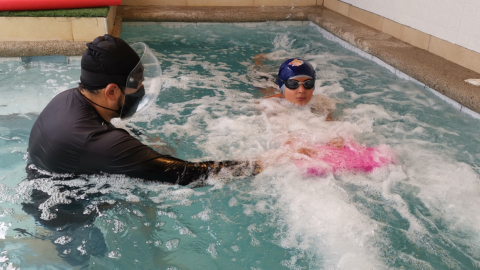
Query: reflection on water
x,y
418,213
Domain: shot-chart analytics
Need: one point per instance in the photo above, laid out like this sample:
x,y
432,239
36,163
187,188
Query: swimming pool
x,y
420,213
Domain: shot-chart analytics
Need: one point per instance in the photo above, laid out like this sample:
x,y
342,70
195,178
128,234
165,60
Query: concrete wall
x,y
461,27
219,3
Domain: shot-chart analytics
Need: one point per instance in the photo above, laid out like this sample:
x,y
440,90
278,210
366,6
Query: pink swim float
x,y
320,159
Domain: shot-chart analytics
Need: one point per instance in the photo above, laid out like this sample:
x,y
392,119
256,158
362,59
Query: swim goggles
x,y
294,84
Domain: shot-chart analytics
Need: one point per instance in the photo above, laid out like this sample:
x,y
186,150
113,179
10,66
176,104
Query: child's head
x,y
296,78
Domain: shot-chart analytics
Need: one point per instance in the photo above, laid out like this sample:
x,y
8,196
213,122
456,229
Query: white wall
x,y
456,21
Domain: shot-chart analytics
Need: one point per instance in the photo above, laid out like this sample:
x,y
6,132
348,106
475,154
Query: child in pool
x,y
296,80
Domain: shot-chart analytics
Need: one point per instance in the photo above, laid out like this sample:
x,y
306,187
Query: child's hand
x,y
337,142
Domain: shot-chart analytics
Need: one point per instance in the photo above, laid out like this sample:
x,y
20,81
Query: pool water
x,y
419,213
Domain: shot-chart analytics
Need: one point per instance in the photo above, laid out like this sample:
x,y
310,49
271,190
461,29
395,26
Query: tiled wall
x,y
244,3
456,21
447,28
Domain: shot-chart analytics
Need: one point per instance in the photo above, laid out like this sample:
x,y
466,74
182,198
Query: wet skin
x,y
300,96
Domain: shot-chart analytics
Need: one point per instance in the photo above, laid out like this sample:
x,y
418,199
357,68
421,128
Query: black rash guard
x,y
69,136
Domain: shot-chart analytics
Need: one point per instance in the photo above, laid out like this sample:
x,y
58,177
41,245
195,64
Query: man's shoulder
x,y
64,94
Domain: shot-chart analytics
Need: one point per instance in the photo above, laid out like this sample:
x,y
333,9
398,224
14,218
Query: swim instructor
x,y
73,134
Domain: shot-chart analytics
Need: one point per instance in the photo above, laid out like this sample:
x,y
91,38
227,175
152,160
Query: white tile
x,y
444,6
174,24
456,7
389,13
10,59
469,11
430,17
251,24
430,4
426,27
467,27
447,34
401,18
463,40
470,112
71,59
383,64
387,3
448,100
477,27
474,44
417,82
443,20
454,22
397,6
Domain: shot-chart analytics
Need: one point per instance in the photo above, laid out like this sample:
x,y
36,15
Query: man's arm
x,y
117,152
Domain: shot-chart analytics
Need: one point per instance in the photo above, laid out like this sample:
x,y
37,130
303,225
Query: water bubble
x,y
62,240
158,243
168,214
232,202
186,230
211,249
172,244
114,255
204,215
255,241
138,213
160,224
82,250
67,251
118,226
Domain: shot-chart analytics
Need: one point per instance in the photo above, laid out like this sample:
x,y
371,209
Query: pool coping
x,y
434,73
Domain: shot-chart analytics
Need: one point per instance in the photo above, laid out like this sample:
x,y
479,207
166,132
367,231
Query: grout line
x,y
429,42
71,29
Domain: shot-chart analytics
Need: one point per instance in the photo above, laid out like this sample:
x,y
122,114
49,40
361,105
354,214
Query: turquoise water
x,y
420,213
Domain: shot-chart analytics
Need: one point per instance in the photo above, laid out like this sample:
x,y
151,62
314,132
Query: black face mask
x,y
131,103
129,107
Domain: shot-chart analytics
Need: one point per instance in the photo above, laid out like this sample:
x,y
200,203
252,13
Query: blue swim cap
x,y
292,68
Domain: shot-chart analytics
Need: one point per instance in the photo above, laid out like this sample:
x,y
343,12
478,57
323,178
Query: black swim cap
x,y
107,60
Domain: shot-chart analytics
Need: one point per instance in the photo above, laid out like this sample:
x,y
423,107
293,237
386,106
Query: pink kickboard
x,y
354,157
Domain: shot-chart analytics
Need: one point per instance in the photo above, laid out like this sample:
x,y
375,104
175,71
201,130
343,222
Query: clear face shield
x,y
143,83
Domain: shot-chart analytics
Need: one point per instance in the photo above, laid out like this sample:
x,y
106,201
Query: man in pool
x,y
73,134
